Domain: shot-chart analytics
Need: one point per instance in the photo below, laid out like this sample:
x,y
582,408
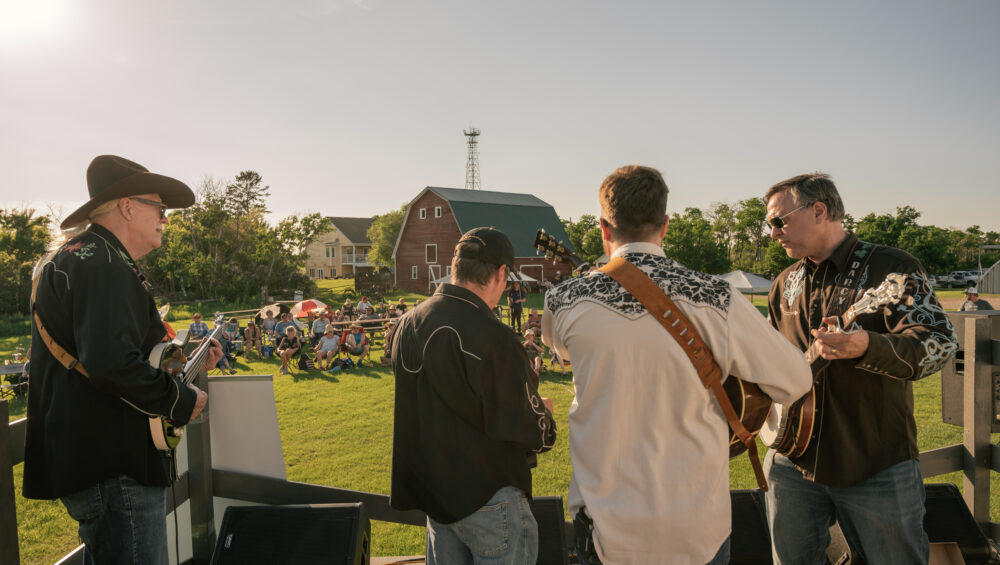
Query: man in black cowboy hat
x,y
92,391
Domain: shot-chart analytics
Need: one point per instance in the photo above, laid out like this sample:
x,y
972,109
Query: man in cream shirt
x,y
648,442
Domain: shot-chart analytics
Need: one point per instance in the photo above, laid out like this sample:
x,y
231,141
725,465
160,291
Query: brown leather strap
x,y
55,349
663,308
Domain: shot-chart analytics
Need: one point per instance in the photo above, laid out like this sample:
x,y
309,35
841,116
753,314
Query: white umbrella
x,y
747,282
524,277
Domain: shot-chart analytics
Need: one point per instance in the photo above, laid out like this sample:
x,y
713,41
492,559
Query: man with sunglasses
x,y
861,464
92,391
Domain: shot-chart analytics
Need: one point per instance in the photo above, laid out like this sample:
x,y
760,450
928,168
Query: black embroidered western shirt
x,y
468,417
864,421
94,303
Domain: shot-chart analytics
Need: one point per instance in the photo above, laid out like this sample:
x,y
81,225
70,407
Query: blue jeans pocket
x,y
85,504
486,531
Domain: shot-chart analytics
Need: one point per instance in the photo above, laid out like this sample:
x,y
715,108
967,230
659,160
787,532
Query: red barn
x,y
438,217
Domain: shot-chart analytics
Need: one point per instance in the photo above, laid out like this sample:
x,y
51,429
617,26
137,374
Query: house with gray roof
x,y
342,250
438,217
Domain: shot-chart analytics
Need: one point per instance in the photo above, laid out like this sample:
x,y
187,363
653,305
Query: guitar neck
x,y
197,361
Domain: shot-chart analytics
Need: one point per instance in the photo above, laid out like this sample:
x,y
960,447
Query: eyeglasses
x,y
779,222
157,203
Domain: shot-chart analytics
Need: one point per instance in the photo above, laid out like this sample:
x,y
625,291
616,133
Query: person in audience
x,y
347,310
469,421
231,335
197,329
401,306
515,301
364,307
284,322
534,321
268,323
326,348
319,326
356,341
533,350
973,302
252,340
289,347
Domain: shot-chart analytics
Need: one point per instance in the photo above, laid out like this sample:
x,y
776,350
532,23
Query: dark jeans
x,y
515,319
121,521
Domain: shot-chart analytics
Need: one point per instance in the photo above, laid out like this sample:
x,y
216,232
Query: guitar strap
x,y
666,312
55,349
844,292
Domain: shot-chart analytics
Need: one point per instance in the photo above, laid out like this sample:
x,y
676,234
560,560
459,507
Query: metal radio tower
x,y
472,180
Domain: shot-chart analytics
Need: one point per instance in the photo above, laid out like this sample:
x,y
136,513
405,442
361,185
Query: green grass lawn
x,y
336,430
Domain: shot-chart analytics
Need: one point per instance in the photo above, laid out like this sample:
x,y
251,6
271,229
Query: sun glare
x,y
25,20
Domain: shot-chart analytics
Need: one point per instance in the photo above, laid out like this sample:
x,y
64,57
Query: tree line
x,y
727,237
222,247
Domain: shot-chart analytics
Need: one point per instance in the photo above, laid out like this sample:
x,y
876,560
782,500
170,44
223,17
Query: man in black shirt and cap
x,y
92,391
468,416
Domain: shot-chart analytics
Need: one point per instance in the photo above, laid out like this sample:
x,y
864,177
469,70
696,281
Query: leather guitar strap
x,y
55,349
665,311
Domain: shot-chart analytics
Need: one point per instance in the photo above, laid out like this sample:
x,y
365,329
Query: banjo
x,y
788,429
170,357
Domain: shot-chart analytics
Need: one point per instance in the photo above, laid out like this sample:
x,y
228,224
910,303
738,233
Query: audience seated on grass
x,y
355,342
268,323
327,349
347,310
252,340
288,347
197,329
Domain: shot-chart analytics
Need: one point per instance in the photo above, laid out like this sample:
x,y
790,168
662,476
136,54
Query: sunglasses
x,y
779,222
158,204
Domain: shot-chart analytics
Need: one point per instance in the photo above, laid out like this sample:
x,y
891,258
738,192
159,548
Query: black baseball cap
x,y
491,246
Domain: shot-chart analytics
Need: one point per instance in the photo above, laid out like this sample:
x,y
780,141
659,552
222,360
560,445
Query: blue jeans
x,y
502,532
121,521
882,518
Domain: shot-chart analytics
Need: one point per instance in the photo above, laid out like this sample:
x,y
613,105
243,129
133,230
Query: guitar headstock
x,y
546,244
896,288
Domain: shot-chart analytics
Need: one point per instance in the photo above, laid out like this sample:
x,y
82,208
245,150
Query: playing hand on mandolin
x,y
835,343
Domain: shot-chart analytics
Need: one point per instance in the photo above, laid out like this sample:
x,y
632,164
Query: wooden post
x,y
200,482
8,509
978,417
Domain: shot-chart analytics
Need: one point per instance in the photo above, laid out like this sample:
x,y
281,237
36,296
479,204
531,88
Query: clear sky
x,y
349,108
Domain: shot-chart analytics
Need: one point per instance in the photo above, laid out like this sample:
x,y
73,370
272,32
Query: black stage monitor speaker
x,y
548,512
750,543
302,535
948,519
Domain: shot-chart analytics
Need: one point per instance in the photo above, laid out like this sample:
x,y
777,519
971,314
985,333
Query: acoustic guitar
x,y
788,429
169,356
751,404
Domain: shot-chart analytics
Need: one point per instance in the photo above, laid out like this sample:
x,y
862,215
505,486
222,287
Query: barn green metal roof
x,y
517,215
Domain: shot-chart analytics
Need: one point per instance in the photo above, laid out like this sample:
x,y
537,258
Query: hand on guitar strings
x,y
836,344
214,354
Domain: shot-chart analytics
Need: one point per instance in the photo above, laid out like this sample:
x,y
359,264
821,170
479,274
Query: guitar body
x,y
752,406
789,428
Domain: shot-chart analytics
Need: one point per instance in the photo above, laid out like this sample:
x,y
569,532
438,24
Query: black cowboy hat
x,y
110,177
